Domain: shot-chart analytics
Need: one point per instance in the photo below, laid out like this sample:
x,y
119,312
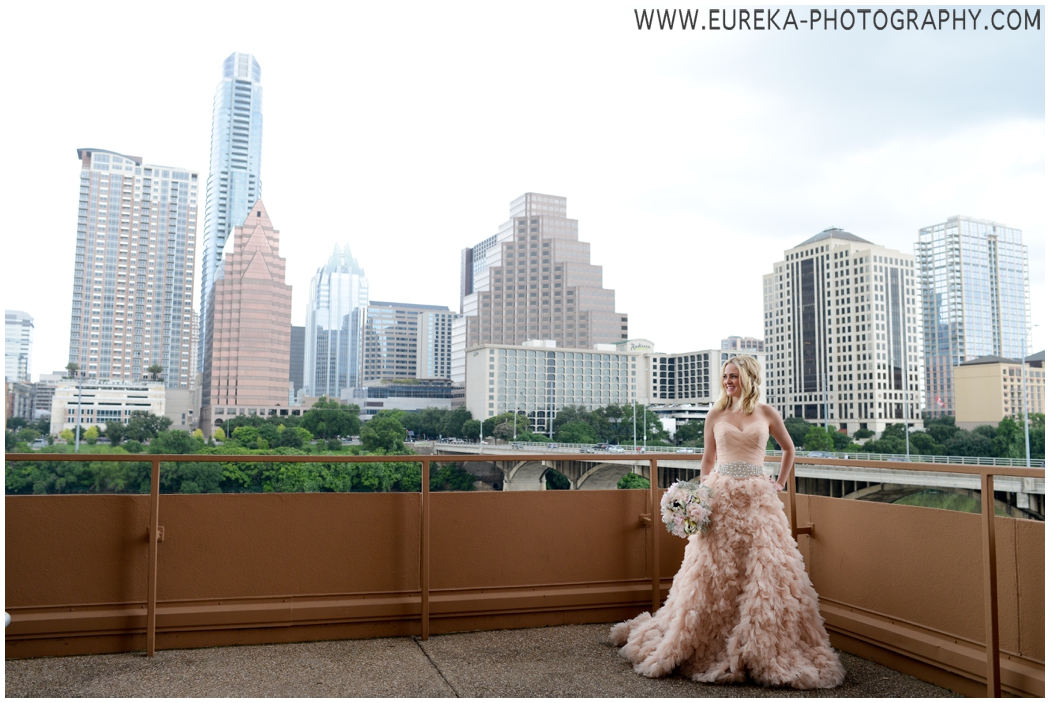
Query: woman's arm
x,y
779,432
707,464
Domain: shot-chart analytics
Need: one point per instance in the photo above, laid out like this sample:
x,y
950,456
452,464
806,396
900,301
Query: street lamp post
x,y
1024,398
827,408
634,426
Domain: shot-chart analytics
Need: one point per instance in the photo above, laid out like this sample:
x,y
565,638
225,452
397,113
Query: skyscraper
x,y
18,345
234,183
843,336
974,280
434,344
533,279
331,360
133,272
249,327
390,339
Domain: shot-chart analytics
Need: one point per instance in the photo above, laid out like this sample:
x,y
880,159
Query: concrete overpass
x,y
838,478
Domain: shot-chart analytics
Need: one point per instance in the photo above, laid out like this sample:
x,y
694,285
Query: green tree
x,y
68,436
863,433
16,423
115,432
633,481
817,439
1009,439
154,371
691,434
798,429
577,432
219,435
71,369
556,481
9,441
132,447
27,435
451,477
330,418
143,426
384,432
248,437
470,430
91,435
175,442
452,424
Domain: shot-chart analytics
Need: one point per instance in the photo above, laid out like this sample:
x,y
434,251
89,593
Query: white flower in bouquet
x,y
686,508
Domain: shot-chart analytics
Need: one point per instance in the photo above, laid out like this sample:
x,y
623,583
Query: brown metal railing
x,y
155,530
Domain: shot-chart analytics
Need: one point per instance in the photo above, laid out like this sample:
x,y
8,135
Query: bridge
x,y
884,482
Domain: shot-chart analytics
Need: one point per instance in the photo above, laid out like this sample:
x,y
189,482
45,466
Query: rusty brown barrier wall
x,y
898,584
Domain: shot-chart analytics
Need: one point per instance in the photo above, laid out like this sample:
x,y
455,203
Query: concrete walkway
x,y
568,661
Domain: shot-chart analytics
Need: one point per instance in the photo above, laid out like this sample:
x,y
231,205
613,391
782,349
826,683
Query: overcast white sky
x,y
692,160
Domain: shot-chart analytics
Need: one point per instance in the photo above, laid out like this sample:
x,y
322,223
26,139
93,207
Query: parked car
x,y
587,450
601,447
684,450
516,445
552,445
616,449
821,454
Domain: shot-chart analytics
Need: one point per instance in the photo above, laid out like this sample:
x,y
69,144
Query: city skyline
x,y
797,146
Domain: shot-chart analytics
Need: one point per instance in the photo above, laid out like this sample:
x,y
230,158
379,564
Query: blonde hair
x,y
750,380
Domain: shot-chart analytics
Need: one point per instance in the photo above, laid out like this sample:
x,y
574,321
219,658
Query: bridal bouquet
x,y
686,508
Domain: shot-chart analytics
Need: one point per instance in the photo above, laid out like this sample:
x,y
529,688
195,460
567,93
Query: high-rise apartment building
x,y
434,344
843,333
974,280
133,272
18,345
331,351
249,327
234,181
533,279
390,339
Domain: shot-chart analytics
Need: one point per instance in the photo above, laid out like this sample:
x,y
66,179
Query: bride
x,y
741,604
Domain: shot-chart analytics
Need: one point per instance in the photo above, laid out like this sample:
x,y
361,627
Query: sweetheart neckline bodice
x,y
744,445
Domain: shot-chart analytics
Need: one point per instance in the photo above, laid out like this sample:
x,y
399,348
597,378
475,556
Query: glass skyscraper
x,y
234,184
133,270
974,279
18,345
331,355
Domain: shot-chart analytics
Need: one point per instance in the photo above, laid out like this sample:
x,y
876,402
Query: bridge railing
x,y
861,456
651,519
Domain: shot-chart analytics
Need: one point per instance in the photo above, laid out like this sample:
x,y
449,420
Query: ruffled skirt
x,y
741,605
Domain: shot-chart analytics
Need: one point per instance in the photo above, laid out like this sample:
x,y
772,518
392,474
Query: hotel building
x,y
133,271
990,388
538,378
533,279
973,277
249,329
843,334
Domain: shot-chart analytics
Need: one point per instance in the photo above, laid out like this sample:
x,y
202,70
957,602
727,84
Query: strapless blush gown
x,y
741,604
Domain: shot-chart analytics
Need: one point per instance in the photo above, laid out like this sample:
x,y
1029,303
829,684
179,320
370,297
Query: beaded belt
x,y
739,469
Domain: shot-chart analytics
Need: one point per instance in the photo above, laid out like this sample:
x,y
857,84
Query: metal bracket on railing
x,y
160,533
804,530
646,520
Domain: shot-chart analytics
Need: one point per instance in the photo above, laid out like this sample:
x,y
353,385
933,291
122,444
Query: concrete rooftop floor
x,y
567,661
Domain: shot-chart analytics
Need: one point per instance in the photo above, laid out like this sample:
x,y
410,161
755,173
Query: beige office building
x,y
248,335
533,279
96,402
989,388
843,334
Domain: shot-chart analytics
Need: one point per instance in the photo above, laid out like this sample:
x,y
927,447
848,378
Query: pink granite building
x,y
249,328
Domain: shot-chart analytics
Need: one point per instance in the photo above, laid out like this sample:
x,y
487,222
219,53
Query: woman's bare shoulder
x,y
767,412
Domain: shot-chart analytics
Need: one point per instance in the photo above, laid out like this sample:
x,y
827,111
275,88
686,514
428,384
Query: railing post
x,y
792,517
153,537
424,553
654,507
991,590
